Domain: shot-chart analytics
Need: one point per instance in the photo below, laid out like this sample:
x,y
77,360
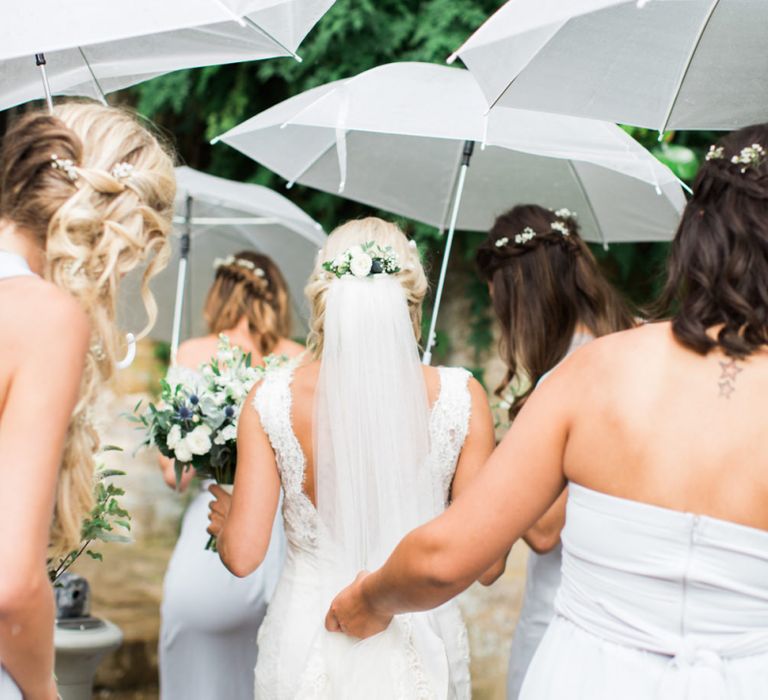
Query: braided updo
x,y
718,265
96,190
250,285
544,281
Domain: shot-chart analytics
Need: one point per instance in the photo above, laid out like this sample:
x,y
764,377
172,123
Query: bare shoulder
x,y
289,347
42,313
193,352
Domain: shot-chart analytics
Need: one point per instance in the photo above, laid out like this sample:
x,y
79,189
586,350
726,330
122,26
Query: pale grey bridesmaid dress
x,y
11,265
210,618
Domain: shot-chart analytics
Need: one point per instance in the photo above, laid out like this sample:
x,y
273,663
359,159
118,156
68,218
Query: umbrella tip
x,y
451,58
298,58
215,140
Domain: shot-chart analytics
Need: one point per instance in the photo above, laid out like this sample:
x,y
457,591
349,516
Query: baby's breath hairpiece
x,y
122,171
560,227
714,153
527,234
240,262
66,165
751,155
364,260
565,214
501,242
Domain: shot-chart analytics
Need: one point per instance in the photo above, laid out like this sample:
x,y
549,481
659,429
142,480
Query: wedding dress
x,y
11,265
654,604
421,656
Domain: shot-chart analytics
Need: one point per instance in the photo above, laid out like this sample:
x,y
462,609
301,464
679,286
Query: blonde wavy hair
x,y
356,232
96,223
253,287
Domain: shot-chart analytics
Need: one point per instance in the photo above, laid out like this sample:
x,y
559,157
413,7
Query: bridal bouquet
x,y
195,421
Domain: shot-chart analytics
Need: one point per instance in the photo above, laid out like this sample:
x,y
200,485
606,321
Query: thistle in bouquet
x,y
195,421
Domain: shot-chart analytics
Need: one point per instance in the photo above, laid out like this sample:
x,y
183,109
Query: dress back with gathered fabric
x,y
421,656
11,265
654,604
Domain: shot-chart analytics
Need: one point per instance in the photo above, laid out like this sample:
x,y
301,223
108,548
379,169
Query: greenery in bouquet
x,y
108,521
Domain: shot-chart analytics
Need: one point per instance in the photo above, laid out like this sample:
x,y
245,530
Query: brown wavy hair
x,y
718,267
94,229
541,290
256,290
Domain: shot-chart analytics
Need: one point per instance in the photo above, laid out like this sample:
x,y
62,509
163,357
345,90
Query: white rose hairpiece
x,y
364,260
66,165
240,262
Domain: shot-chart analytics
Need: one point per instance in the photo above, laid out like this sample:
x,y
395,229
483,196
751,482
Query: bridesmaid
x,y
659,432
210,618
550,298
86,195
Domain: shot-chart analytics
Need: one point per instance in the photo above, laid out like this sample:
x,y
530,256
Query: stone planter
x,y
81,644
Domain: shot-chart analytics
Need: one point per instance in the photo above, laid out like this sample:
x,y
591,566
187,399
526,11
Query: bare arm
x,y
478,447
42,394
435,562
544,536
244,528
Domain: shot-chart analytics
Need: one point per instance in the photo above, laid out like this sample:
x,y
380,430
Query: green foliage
x,y
107,522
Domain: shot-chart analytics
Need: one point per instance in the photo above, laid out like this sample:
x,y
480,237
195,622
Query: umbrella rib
x,y
96,84
683,75
589,203
303,172
256,27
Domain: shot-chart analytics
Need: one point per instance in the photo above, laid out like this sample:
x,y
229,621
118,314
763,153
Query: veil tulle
x,y
371,428
373,485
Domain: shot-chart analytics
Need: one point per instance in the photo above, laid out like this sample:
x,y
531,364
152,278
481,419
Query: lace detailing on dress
x,y
273,402
448,425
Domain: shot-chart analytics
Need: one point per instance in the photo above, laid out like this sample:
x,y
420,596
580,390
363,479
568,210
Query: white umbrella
x,y
214,218
92,47
677,64
400,137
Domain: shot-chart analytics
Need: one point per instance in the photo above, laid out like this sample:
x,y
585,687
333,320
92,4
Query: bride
x,y
366,443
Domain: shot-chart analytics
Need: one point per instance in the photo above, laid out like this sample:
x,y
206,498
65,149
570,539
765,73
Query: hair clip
x,y
501,242
64,164
714,153
751,155
122,171
527,234
560,227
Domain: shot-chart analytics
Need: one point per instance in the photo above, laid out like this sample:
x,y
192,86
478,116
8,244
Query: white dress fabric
x,y
542,579
288,666
654,604
11,265
210,618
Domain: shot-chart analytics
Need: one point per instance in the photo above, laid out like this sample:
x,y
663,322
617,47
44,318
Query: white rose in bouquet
x,y
226,434
174,437
182,452
199,440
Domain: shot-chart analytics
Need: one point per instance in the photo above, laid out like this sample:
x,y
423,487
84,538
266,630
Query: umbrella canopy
x,y
393,138
93,47
677,64
227,217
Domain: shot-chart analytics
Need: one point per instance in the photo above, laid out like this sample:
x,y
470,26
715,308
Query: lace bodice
x,y
448,425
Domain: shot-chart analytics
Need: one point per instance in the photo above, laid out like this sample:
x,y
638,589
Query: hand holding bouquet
x,y
195,421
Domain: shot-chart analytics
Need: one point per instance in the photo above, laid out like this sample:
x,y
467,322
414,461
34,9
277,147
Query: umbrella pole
x,y
181,281
467,155
40,63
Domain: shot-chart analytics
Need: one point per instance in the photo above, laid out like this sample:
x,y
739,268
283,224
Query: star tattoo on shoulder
x,y
729,371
